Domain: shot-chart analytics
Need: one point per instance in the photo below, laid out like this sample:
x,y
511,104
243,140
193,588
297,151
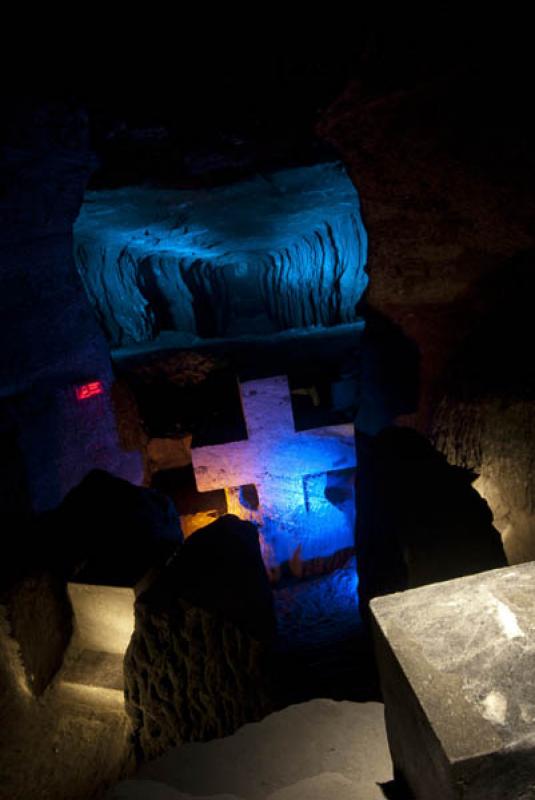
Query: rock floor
x,y
73,742
323,649
320,750
70,744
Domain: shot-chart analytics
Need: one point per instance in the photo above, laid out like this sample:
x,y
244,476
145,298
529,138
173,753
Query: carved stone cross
x,y
281,462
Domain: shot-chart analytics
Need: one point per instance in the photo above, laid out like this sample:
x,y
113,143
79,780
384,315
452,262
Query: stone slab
x,y
457,664
104,617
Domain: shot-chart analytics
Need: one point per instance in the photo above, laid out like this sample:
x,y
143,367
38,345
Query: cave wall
x,y
280,250
495,437
486,417
445,171
51,341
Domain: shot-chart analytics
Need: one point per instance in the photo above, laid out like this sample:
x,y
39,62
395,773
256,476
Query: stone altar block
x,y
104,623
457,665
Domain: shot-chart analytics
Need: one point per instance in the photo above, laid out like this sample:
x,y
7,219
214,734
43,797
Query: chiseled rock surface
x,y
320,750
486,418
191,676
457,662
41,621
197,664
495,437
273,252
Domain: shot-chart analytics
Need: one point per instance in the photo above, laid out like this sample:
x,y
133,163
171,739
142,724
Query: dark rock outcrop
x,y
197,666
419,519
40,619
106,531
51,340
486,418
14,695
109,531
220,568
444,178
274,252
495,437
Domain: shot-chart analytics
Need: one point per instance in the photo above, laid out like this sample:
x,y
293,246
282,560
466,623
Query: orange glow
x,y
193,522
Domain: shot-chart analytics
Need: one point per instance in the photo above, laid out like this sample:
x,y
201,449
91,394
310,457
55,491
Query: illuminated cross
x,y
276,458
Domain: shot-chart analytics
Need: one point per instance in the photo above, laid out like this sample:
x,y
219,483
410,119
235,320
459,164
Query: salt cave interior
x,y
266,356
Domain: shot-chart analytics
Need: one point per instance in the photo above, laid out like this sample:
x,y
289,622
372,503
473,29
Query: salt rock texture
x,y
276,251
191,676
445,190
197,664
457,664
41,622
419,518
320,749
496,438
14,694
76,744
74,741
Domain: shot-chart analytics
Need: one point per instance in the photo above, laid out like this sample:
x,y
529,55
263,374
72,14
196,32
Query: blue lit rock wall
x,y
277,251
50,340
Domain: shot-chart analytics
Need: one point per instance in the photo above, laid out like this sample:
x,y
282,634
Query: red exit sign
x,y
87,390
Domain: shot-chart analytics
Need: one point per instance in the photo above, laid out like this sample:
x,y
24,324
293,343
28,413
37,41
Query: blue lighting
x,y
305,509
280,251
323,610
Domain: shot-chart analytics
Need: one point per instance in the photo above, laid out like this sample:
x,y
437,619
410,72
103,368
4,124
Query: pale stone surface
x,y
277,459
104,616
457,661
320,749
103,626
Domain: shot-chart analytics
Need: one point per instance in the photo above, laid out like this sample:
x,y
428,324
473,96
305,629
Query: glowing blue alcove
x,y
278,251
284,251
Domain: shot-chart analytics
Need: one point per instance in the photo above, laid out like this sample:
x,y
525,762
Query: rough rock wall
x,y
332,254
419,519
191,676
271,253
51,340
445,172
41,619
445,195
496,439
486,418
14,692
197,664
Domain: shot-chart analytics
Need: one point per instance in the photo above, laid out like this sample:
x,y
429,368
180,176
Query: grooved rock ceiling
x,y
277,251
